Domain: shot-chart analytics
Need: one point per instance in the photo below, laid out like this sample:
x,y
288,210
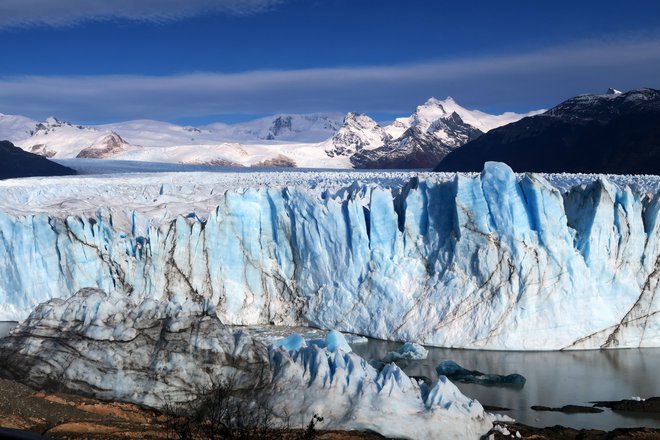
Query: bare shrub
x,y
229,413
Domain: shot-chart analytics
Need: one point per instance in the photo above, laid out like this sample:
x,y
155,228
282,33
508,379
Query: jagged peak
x,y
361,118
53,121
612,91
110,136
435,102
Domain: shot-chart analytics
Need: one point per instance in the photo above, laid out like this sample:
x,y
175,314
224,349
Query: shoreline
x,y
71,416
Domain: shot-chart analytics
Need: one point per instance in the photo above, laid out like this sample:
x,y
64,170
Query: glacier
x,y
491,261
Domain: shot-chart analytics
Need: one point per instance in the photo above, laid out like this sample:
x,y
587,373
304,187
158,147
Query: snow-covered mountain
x,y
106,146
313,140
413,149
297,128
427,136
14,127
358,132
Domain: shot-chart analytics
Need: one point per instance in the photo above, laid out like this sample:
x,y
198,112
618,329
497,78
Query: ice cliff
x,y
154,353
494,261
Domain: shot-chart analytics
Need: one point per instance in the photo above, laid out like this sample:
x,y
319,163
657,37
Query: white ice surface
x,y
494,261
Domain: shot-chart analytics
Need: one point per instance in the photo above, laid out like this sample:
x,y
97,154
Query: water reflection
x,y
553,379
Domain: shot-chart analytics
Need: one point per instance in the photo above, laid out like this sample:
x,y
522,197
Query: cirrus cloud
x,y
518,81
25,13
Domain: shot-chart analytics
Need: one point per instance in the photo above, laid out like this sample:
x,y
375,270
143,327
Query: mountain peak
x,y
358,132
435,102
359,118
105,146
612,91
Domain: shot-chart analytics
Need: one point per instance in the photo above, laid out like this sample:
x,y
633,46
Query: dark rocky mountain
x,y
422,145
14,162
414,149
612,133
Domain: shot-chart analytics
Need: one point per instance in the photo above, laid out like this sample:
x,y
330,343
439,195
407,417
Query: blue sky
x,y
196,61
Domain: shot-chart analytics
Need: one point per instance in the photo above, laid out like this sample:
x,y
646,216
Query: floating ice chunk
x,y
408,351
295,342
504,418
455,372
334,341
356,339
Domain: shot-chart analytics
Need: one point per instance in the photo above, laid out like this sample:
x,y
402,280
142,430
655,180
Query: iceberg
x,y
408,351
455,372
489,261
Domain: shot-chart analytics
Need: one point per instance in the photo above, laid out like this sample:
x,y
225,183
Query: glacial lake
x,y
6,326
554,379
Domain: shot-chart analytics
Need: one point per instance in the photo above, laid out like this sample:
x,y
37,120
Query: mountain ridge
x,y
18,163
316,140
616,133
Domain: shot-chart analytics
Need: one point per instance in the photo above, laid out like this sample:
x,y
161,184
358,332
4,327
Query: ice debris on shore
x,y
156,352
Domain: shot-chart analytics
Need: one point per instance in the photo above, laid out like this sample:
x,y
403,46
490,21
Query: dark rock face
x,y
559,432
18,163
281,124
42,150
457,131
459,374
279,161
569,409
215,163
105,147
416,148
650,405
613,133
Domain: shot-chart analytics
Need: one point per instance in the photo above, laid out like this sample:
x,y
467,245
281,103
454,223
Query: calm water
x,y
553,379
5,327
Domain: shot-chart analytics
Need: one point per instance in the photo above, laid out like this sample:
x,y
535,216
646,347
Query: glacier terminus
x,y
492,260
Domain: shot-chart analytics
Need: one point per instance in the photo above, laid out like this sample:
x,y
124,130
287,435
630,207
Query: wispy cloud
x,y
58,13
526,80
